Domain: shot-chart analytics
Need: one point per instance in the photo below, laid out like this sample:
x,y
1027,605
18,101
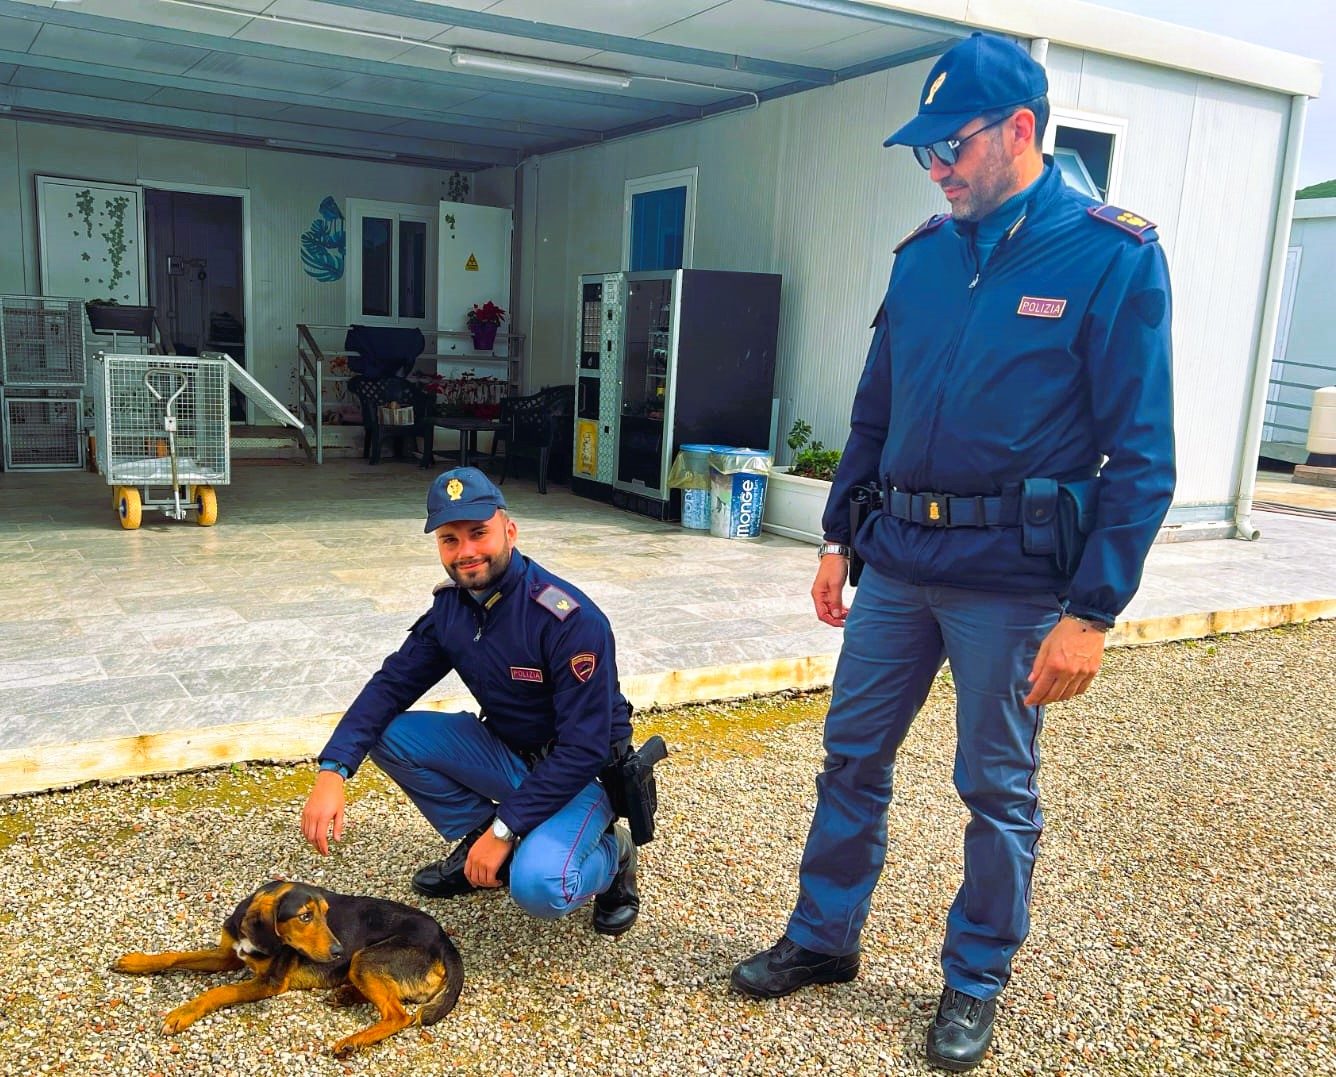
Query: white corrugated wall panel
x,y
1202,160
1221,263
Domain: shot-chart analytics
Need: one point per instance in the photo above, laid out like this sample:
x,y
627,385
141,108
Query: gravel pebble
x,y
1184,913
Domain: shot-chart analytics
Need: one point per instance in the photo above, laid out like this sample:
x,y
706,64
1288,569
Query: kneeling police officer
x,y
519,784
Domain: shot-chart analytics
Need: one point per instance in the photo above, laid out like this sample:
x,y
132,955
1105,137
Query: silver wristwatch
x,y
833,547
500,830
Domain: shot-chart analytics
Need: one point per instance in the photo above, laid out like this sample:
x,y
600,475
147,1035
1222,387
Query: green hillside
x,y
1325,189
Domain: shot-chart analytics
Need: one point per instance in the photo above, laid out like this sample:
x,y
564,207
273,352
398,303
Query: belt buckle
x,y
935,512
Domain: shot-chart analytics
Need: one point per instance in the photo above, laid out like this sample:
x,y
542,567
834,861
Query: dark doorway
x,y
195,274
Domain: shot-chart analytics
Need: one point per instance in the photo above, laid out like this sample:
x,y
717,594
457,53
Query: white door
x,y
473,267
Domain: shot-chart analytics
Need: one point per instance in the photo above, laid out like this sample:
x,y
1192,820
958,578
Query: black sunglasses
x,y
947,150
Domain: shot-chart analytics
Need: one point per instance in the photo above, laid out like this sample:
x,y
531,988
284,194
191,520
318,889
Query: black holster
x,y
629,782
864,500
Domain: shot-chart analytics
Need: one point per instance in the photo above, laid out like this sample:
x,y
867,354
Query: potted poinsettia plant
x,y
796,495
483,322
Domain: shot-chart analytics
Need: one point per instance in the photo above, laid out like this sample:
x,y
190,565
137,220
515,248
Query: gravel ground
x,y
1184,910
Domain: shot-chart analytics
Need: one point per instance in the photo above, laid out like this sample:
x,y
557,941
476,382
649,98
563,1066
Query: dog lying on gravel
x,y
294,937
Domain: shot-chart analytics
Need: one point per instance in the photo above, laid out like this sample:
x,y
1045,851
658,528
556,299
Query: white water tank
x,y
1322,428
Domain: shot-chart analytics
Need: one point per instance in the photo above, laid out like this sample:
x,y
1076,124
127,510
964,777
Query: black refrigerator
x,y
667,358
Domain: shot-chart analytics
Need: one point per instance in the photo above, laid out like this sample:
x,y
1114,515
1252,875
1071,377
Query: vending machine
x,y
666,358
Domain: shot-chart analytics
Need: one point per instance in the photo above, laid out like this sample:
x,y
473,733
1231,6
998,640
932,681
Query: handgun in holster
x,y
629,782
864,499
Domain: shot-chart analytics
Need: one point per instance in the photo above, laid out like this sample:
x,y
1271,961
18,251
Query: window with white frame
x,y
391,263
1087,150
659,221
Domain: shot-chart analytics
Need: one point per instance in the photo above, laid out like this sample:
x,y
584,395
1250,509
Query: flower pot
x,y
794,506
484,337
112,317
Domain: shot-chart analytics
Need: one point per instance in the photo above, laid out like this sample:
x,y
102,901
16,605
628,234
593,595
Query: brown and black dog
x,y
295,937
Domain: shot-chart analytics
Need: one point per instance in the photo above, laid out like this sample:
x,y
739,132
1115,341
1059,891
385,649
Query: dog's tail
x,y
452,982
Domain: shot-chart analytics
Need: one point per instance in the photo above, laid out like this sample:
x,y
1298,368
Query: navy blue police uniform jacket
x,y
1039,363
538,657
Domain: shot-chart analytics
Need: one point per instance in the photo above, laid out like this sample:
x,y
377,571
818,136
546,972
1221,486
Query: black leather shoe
x,y
445,878
786,966
616,909
960,1033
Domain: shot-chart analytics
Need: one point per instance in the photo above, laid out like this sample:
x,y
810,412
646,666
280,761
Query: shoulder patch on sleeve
x,y
556,601
935,221
1125,219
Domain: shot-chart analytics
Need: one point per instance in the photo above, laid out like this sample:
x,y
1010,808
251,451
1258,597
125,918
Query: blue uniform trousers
x,y
456,771
895,640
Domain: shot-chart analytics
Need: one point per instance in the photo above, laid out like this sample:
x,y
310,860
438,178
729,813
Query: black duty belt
x,y
952,510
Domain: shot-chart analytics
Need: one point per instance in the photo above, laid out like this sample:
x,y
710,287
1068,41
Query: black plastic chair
x,y
539,427
376,393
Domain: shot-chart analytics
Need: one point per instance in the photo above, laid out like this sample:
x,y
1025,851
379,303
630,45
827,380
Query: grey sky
x,y
1304,27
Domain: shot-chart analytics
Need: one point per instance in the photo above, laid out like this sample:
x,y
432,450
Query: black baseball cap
x,y
463,493
981,73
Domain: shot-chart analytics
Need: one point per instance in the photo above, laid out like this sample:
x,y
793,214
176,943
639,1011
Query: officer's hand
x,y
1067,662
486,855
828,590
324,810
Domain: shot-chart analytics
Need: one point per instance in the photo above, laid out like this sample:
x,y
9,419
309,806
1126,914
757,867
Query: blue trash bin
x,y
691,475
737,492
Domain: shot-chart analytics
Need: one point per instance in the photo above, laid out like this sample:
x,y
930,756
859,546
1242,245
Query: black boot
x,y
445,878
616,909
786,966
960,1033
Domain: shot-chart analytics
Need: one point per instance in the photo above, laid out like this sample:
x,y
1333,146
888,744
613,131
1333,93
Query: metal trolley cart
x,y
162,434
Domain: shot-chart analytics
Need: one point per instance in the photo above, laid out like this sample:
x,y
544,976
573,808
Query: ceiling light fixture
x,y
315,147
523,67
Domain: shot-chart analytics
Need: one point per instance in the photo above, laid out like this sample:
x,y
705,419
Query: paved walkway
x,y
177,646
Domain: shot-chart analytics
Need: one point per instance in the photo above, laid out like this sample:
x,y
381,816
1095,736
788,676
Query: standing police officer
x,y
520,783
1023,339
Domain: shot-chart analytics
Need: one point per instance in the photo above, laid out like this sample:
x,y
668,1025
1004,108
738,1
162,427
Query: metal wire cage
x,y
41,341
134,399
42,428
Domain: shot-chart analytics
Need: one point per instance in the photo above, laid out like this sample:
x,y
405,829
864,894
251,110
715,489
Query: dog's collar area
x,y
247,948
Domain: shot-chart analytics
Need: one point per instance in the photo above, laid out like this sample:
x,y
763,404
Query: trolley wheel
x,y
206,506
116,492
129,508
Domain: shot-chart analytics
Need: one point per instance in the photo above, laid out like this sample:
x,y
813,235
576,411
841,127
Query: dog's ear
x,y
260,924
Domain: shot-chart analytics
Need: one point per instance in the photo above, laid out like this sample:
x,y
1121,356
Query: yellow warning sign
x,y
471,266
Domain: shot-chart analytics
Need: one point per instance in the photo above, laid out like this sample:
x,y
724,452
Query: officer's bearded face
x,y
476,553
984,177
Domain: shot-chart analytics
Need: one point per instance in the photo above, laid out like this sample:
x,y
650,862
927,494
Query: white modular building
x,y
753,128
1304,357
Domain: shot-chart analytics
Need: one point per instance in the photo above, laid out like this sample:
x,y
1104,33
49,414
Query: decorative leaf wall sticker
x,y
324,243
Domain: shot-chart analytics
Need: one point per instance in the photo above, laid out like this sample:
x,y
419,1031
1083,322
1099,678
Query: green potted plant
x,y
811,459
483,322
796,494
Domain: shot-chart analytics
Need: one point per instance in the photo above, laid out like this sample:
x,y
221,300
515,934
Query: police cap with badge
x,y
981,74
463,493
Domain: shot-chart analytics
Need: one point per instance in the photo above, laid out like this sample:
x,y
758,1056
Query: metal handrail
x,y
310,391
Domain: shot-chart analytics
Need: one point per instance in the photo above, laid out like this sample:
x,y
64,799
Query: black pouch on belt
x,y
629,782
1039,514
864,500
1075,520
